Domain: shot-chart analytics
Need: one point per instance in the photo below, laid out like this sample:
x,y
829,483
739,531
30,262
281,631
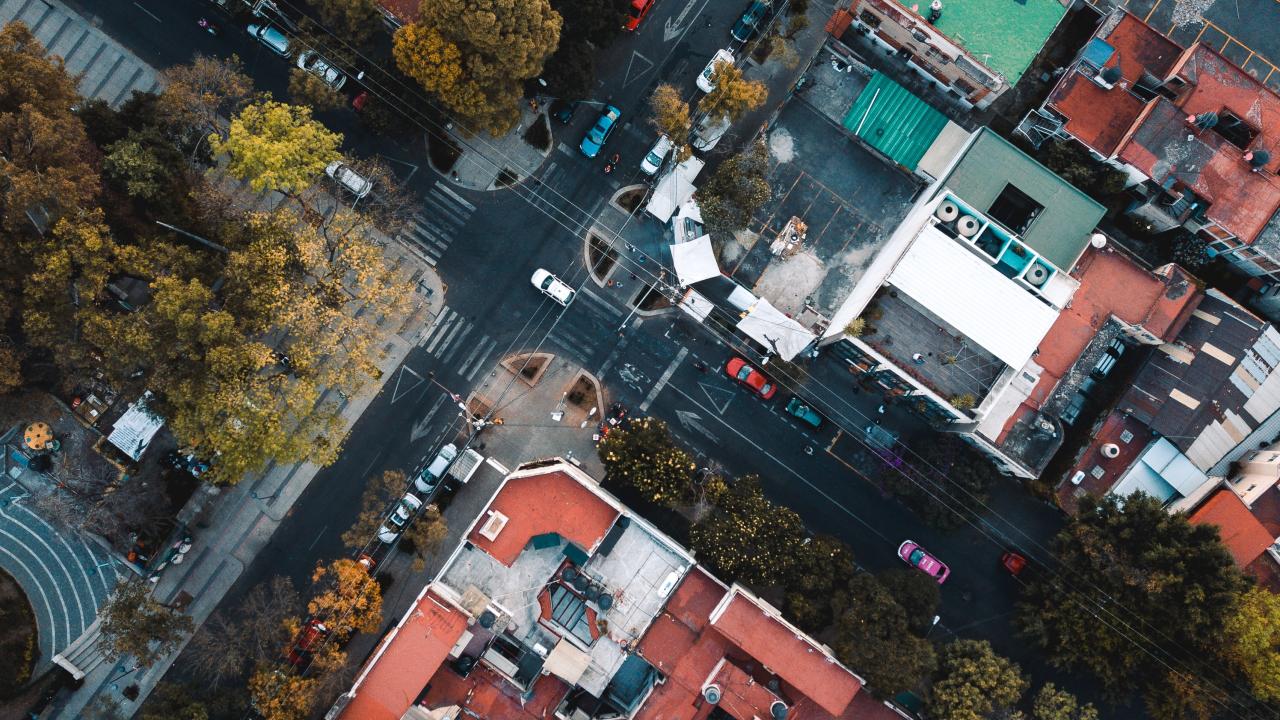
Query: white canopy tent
x,y
674,189
771,328
694,261
696,305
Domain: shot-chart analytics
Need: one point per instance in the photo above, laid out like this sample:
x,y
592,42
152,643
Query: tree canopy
x,y
135,625
1054,704
737,188
348,600
1253,635
871,636
474,54
972,682
733,94
276,146
748,538
1143,584
671,118
645,456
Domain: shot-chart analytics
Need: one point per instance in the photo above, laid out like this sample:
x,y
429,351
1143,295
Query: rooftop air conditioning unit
x,y
1111,450
711,693
1108,77
947,211
1077,478
1037,274
967,226
778,710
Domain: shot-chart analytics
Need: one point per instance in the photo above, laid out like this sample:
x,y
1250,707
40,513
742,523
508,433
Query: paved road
x,y
486,247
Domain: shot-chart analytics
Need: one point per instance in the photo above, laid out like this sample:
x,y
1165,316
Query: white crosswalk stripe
x,y
436,224
544,195
451,340
589,318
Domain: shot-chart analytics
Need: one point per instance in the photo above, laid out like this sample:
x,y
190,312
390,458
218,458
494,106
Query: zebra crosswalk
x,y
453,339
433,228
589,319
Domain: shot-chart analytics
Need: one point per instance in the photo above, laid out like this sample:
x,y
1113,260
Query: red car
x,y
739,370
636,13
308,639
915,556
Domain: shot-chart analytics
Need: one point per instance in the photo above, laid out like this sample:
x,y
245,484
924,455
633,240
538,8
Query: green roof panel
x,y
1005,36
893,121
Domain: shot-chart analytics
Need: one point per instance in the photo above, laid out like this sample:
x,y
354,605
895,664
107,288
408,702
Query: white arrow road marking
x,y
693,421
420,427
675,27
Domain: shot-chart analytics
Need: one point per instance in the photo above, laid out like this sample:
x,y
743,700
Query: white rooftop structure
x,y
132,433
694,261
674,189
771,328
970,295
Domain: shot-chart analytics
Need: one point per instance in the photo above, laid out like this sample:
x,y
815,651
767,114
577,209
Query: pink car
x,y
915,556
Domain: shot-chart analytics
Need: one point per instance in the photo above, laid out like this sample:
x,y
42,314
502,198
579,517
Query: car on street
x,y
563,110
311,61
704,80
741,371
552,286
915,556
276,41
399,517
636,12
309,637
801,411
599,133
657,155
354,182
749,23
429,478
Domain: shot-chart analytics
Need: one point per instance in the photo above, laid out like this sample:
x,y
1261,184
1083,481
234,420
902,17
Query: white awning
x,y
695,305
965,292
674,189
778,333
691,211
742,298
694,261
135,428
567,662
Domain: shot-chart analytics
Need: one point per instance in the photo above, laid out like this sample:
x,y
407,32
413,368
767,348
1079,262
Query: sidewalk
x,y
486,160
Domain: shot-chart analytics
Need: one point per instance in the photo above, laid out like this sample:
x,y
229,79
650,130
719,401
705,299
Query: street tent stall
x,y
694,261
778,333
696,305
674,189
132,433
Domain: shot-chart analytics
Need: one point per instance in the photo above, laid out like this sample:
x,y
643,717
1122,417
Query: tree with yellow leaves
x,y
348,601
277,146
1253,634
671,117
475,54
733,95
280,695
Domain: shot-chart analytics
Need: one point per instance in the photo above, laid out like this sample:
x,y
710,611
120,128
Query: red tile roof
x,y
741,696
1100,118
795,659
1241,532
539,504
1111,432
486,694
406,660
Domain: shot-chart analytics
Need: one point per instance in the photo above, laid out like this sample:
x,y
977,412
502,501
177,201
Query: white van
x,y
429,479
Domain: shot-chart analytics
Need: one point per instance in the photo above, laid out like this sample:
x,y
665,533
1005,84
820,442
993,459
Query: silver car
x,y
275,40
311,61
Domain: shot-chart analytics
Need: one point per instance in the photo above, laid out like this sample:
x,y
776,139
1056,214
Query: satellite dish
x,y
1098,240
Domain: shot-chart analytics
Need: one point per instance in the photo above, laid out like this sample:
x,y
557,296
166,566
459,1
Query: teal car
x,y
802,412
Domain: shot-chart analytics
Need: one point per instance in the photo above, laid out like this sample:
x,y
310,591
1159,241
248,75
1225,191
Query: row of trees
x,y
252,315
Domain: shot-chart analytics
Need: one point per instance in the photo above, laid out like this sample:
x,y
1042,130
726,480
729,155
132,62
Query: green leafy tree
x,y
1177,585
276,146
1054,704
747,537
917,593
1253,635
870,634
170,701
737,188
951,483
279,695
356,21
733,94
821,572
671,118
308,89
645,456
145,165
974,683
425,535
10,369
134,624
571,70
474,55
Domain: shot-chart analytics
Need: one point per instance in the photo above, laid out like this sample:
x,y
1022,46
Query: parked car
x,y
311,61
704,80
657,155
802,412
749,23
563,110
709,131
741,370
884,444
310,635
552,286
599,133
399,517
636,12
354,182
276,41
429,478
915,556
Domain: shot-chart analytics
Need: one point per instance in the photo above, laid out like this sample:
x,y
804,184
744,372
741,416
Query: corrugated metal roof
x,y
893,121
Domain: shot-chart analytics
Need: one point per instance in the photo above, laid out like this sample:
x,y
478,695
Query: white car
x,y
429,478
657,154
709,131
311,61
704,80
353,181
277,41
553,287
394,525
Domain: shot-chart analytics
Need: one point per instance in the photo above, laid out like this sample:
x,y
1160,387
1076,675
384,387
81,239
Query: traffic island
x,y
630,198
528,367
602,256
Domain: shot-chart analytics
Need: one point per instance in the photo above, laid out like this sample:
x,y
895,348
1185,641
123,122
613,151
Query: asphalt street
x,y
486,246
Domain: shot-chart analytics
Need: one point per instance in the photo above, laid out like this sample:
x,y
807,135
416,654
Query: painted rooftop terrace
x,y
1003,35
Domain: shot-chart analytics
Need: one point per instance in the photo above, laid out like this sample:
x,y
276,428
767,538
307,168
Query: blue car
x,y
750,20
599,133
